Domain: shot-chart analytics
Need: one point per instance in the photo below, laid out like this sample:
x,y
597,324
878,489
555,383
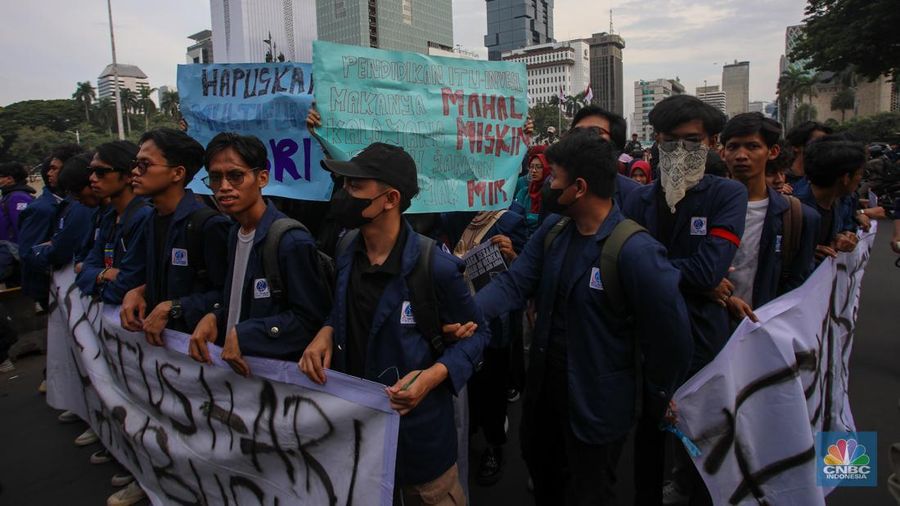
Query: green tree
x,y
105,114
805,112
146,105
547,114
56,115
794,84
843,101
884,127
168,103
838,34
85,94
130,103
33,144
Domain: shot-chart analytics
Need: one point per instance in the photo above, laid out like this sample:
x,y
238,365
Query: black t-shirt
x,y
161,234
665,218
557,347
823,236
367,285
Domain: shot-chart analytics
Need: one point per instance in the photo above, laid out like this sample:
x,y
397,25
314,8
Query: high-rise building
x,y
401,25
247,30
736,85
201,51
554,68
646,95
130,77
514,24
792,35
712,96
606,71
758,106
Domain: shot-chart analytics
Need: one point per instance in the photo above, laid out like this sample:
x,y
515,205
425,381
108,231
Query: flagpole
x,y
118,95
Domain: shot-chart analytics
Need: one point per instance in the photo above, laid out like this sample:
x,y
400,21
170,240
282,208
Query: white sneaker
x,y
67,417
87,437
132,494
101,457
7,366
42,388
121,479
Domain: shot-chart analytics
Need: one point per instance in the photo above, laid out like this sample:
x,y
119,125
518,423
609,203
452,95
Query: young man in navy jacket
x,y
834,167
253,320
372,332
582,384
750,140
180,284
611,127
699,218
116,263
38,223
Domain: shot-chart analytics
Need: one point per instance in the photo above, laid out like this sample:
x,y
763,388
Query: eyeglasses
x,y
143,165
597,130
235,178
687,144
101,172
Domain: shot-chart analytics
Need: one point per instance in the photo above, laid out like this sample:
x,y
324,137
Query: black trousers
x,y
565,470
649,462
487,396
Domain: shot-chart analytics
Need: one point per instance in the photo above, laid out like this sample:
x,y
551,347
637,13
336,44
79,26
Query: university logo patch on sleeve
x,y
406,314
596,283
21,205
698,225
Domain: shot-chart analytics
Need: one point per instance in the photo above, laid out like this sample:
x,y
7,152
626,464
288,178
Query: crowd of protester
x,y
628,269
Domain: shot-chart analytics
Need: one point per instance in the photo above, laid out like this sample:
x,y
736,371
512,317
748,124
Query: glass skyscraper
x,y
400,25
514,24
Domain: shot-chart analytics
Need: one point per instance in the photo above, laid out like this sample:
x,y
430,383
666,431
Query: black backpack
x,y
325,264
420,284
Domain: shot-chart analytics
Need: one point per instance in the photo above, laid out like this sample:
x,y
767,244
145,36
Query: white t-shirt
x,y
241,256
746,260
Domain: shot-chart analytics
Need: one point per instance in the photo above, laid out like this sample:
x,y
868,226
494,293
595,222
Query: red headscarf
x,y
535,186
644,167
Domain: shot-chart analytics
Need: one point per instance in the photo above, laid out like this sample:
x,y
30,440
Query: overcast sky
x,y
46,46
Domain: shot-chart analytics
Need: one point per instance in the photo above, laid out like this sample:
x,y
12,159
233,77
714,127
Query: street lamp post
x,y
118,95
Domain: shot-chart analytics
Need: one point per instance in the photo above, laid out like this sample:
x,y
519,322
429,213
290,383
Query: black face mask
x,y
550,201
347,210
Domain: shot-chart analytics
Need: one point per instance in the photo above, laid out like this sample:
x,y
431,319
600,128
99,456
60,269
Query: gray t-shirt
x,y
241,256
746,260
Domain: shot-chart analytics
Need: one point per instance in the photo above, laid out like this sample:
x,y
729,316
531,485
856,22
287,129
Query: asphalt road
x,y
40,465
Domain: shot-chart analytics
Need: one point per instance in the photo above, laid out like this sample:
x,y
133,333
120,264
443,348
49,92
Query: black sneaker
x,y
491,468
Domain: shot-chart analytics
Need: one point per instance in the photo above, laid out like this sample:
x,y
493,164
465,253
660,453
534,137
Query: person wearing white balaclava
x,y
699,218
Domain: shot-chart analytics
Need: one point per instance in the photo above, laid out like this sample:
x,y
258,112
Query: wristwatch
x,y
176,312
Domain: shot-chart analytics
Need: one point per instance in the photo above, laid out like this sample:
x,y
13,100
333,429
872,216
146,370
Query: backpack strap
x,y
194,233
792,220
555,231
609,273
271,268
423,298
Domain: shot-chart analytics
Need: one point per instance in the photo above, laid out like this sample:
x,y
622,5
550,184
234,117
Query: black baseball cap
x,y
387,163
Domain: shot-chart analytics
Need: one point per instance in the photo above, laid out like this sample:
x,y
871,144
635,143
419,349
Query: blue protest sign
x,y
267,100
461,120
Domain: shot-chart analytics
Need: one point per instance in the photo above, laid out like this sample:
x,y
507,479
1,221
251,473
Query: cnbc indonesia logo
x,y
846,460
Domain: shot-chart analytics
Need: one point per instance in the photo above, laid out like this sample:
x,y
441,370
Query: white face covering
x,y
680,170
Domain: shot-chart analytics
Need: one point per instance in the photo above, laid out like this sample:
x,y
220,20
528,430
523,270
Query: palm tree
x,y
86,94
146,105
795,83
130,103
168,103
805,112
105,114
843,100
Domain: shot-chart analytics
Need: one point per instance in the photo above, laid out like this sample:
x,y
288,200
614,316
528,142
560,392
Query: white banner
x,y
200,434
754,411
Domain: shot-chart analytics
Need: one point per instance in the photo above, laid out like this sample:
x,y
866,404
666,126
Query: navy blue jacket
x,y
808,198
267,327
849,204
73,223
88,244
624,186
769,282
427,440
709,222
36,227
181,280
129,257
601,344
